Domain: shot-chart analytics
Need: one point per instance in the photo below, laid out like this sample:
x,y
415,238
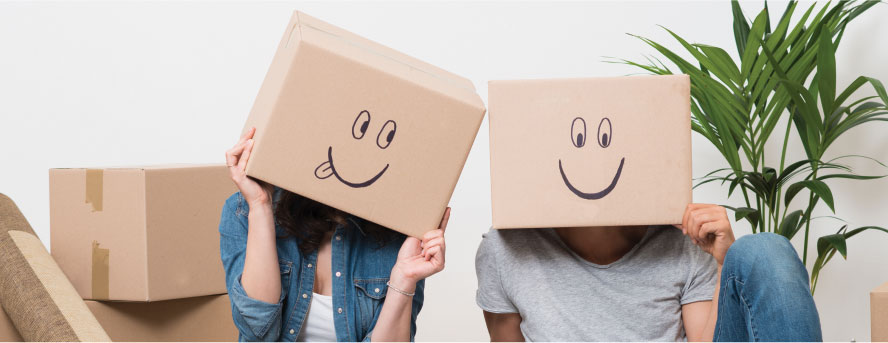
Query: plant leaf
x,y
834,241
826,71
741,27
791,224
818,187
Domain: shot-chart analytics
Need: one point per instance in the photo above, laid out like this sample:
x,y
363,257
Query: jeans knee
x,y
764,254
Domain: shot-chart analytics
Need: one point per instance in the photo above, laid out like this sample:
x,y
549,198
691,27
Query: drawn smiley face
x,y
359,129
578,138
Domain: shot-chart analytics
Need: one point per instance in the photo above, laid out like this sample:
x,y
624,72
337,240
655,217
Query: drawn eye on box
x,y
359,129
579,138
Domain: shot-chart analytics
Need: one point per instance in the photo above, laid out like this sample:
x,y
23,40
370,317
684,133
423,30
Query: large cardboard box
x,y
139,234
879,313
199,319
361,127
590,151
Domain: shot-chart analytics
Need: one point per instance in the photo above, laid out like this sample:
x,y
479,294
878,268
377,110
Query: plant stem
x,y
782,161
811,204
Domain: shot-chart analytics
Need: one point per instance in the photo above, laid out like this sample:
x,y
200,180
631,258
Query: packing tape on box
x,y
373,51
94,182
100,279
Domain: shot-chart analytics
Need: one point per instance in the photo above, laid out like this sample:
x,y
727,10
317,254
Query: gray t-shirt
x,y
563,297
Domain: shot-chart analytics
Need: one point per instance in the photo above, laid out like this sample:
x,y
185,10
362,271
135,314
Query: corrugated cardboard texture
x,y
157,223
397,130
200,319
879,313
196,319
184,208
590,152
119,228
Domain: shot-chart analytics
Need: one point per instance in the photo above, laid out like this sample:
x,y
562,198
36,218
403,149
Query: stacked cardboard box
x,y
879,313
142,246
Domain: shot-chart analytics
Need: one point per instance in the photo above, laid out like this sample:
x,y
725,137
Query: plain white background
x,y
102,84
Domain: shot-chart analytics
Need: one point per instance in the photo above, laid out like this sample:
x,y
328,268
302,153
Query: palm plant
x,y
736,106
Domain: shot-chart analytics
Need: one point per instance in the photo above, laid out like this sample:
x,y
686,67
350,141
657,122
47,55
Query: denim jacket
x,y
360,271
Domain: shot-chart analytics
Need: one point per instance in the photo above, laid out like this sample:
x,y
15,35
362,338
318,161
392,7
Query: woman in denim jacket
x,y
298,270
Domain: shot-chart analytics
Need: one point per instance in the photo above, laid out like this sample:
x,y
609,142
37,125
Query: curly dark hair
x,y
309,221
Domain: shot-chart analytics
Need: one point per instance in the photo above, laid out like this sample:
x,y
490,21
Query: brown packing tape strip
x,y
100,280
94,182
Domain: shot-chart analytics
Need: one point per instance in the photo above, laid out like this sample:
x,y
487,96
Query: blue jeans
x,y
764,293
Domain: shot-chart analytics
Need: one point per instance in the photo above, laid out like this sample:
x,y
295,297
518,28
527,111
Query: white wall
x,y
145,83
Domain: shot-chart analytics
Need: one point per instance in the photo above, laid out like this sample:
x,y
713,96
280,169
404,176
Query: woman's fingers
x,y
434,252
432,234
247,135
232,155
248,149
434,242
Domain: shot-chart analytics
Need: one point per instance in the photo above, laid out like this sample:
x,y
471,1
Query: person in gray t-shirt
x,y
652,283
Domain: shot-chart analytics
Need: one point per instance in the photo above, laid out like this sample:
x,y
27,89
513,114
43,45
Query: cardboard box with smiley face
x,y
590,151
361,127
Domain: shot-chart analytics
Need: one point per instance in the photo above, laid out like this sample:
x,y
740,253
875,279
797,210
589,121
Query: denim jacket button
x,y
339,310
304,295
338,237
309,265
376,290
292,331
338,274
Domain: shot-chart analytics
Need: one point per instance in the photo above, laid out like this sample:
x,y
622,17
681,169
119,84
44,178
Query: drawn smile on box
x,y
578,138
359,128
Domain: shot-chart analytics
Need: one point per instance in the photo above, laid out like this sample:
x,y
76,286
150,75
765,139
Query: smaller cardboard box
x,y
141,233
358,126
879,313
590,151
199,319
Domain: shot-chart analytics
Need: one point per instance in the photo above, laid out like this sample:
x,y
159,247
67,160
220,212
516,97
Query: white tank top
x,y
319,325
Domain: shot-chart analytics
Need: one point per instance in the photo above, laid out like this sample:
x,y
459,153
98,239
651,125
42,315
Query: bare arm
x,y
700,317
710,229
261,277
504,327
417,260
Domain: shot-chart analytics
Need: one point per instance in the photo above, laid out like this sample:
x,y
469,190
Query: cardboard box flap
x,y
315,31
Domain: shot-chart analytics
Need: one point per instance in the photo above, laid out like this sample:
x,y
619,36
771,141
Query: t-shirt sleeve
x,y
701,277
491,295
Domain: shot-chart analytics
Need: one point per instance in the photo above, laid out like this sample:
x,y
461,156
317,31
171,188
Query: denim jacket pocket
x,y
286,274
370,296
